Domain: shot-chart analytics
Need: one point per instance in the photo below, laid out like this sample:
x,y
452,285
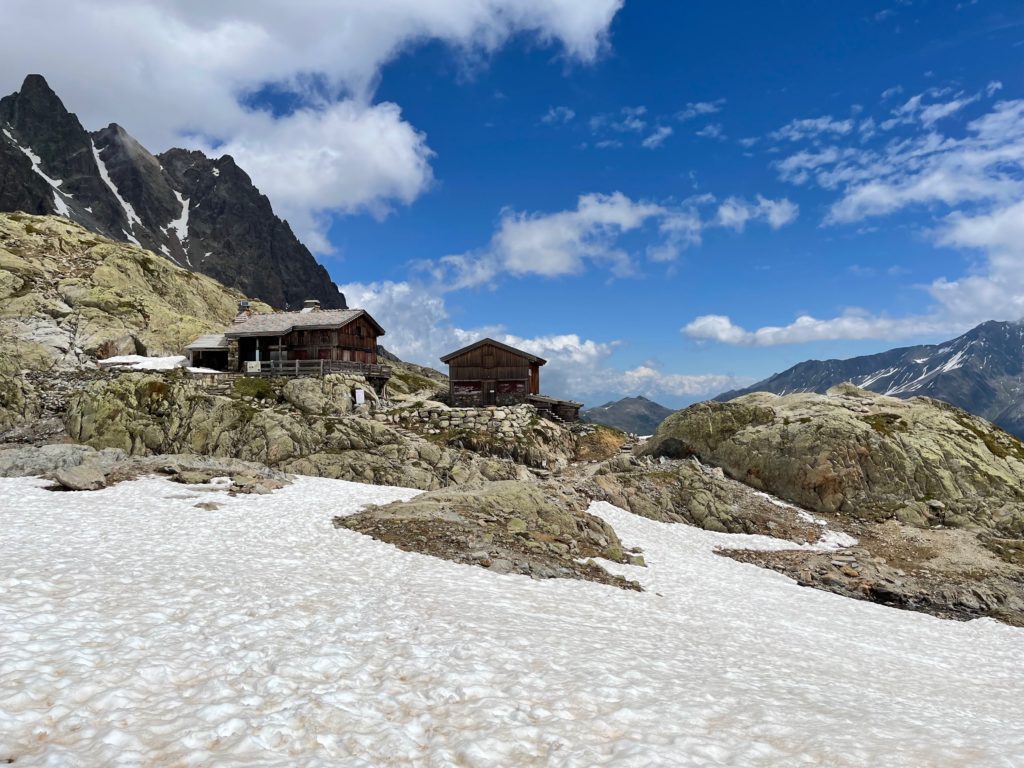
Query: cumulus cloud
x,y
169,71
551,244
853,325
566,242
420,330
346,157
734,213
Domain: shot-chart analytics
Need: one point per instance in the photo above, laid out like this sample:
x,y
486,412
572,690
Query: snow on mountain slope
x,y
138,629
981,371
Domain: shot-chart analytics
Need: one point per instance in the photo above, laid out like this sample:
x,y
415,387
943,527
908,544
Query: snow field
x,y
136,629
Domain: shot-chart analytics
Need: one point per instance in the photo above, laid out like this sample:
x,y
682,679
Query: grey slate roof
x,y
283,323
208,342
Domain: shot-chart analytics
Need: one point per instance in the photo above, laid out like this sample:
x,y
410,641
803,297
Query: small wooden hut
x,y
491,373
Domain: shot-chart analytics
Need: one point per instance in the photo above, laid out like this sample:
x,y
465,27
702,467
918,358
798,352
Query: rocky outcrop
x,y
944,573
932,494
864,455
539,530
68,296
203,214
686,491
144,414
82,468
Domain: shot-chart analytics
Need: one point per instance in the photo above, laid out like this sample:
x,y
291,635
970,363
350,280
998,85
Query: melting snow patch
x,y
141,363
180,224
807,517
136,628
129,211
836,540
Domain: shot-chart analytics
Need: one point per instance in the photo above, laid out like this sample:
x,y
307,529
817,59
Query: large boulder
x,y
540,530
864,455
330,395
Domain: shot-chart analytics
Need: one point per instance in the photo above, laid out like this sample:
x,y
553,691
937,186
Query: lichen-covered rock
x,y
686,491
331,395
864,455
145,414
88,476
540,530
30,461
68,295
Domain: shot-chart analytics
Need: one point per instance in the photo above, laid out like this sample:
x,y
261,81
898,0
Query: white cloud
x,y
711,131
696,109
172,70
973,187
566,242
346,157
853,325
812,127
657,138
557,115
985,165
889,93
734,213
551,244
420,330
626,120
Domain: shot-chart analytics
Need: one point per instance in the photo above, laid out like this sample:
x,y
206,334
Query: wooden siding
x,y
489,363
355,342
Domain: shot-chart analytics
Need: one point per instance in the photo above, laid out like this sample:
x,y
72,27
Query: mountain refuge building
x,y
488,372
307,342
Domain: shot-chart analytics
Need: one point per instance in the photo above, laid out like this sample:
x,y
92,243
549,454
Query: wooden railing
x,y
315,368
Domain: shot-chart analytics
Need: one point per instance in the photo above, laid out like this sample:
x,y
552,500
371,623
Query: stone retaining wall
x,y
513,432
504,419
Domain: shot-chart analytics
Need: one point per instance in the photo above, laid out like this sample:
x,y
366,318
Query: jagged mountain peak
x,y
204,214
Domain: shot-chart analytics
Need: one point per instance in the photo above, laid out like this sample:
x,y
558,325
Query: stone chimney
x,y
244,311
311,305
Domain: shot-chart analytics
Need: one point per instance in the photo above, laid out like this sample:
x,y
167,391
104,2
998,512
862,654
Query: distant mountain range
x,y
203,214
631,414
981,372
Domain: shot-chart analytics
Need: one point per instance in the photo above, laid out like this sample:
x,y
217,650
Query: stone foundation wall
x,y
515,432
511,420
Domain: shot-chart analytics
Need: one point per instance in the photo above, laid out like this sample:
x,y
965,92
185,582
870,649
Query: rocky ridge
x,y
981,371
201,213
636,415
68,296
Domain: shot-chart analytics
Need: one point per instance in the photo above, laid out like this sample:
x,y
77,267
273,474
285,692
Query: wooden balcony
x,y
296,368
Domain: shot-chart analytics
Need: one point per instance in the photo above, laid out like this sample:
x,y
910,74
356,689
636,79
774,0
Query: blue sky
x,y
639,191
